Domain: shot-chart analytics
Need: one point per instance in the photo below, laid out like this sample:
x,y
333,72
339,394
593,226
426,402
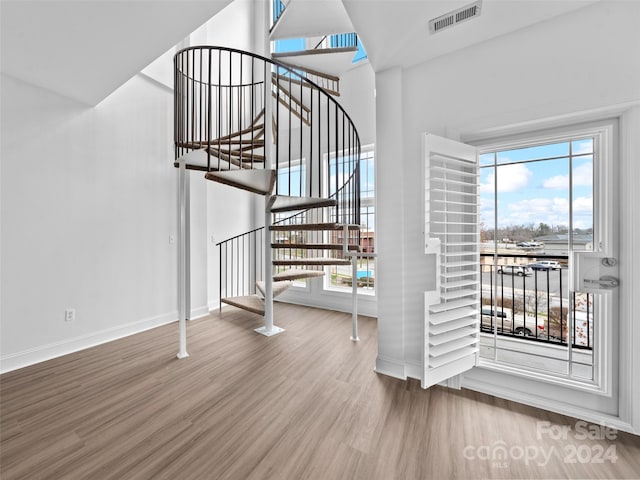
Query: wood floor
x,y
305,404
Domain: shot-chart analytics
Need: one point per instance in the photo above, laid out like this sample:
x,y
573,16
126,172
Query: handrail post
x,y
354,299
354,281
269,329
183,256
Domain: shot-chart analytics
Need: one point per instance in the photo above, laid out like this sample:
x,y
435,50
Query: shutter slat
x,y
453,324
460,273
445,348
451,315
452,356
465,292
447,306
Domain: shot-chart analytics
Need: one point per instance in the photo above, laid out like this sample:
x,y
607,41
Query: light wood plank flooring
x,y
305,404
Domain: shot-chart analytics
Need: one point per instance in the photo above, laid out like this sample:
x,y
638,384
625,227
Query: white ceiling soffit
x,y
309,18
87,49
396,32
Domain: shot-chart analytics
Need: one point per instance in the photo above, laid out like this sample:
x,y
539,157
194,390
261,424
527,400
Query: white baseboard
x,y
413,370
390,368
199,312
331,300
31,356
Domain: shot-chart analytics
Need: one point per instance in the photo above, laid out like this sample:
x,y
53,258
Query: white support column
x,y
354,298
354,281
269,328
183,256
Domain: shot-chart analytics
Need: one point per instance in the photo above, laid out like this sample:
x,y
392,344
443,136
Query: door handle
x,y
605,281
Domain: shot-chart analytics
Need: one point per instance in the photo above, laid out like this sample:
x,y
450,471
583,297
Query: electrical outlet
x,y
172,239
69,314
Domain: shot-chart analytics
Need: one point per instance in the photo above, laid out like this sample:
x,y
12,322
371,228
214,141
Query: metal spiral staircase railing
x,y
255,124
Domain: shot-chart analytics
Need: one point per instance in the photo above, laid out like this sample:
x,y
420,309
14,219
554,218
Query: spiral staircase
x,y
274,130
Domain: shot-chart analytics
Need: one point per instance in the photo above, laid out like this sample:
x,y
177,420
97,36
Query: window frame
x,y
605,132
326,284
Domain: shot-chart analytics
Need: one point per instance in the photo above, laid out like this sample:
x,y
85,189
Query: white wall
x,y
357,97
582,61
88,206
230,211
217,211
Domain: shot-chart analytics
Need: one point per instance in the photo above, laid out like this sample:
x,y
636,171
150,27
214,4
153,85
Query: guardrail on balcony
x,y
277,9
339,40
533,303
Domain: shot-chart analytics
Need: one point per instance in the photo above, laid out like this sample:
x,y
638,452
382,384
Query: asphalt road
x,y
555,280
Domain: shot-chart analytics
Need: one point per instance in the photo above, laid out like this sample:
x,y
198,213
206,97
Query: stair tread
x,y
286,80
234,159
245,154
316,51
311,226
284,203
313,261
250,303
245,131
260,181
246,142
315,246
278,288
197,160
296,274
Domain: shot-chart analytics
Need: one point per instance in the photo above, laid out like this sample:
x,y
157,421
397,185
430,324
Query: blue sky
x,y
538,191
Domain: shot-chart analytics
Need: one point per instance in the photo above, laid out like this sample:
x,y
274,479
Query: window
x,y
542,202
340,277
361,54
292,181
290,45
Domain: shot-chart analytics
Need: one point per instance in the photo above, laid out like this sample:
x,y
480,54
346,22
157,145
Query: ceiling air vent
x,y
454,18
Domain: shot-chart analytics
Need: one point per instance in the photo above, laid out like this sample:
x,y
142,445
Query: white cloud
x,y
552,211
582,177
510,178
557,182
584,146
583,204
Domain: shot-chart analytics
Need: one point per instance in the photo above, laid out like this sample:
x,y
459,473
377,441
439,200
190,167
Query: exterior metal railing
x,y
533,302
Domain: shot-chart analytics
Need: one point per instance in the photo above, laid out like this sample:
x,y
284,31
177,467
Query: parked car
x,y
520,270
503,319
528,244
546,265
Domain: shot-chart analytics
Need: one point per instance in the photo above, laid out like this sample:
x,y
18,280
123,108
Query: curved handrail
x,y
221,97
266,60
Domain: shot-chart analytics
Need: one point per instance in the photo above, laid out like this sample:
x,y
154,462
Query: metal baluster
x,y
209,114
219,107
561,311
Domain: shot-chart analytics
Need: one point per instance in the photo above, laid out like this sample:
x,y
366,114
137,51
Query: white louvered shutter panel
x,y
452,235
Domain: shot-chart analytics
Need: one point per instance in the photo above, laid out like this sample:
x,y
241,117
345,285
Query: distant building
x,y
558,243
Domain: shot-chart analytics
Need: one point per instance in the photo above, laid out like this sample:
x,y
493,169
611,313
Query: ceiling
x,y
309,18
396,32
87,49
